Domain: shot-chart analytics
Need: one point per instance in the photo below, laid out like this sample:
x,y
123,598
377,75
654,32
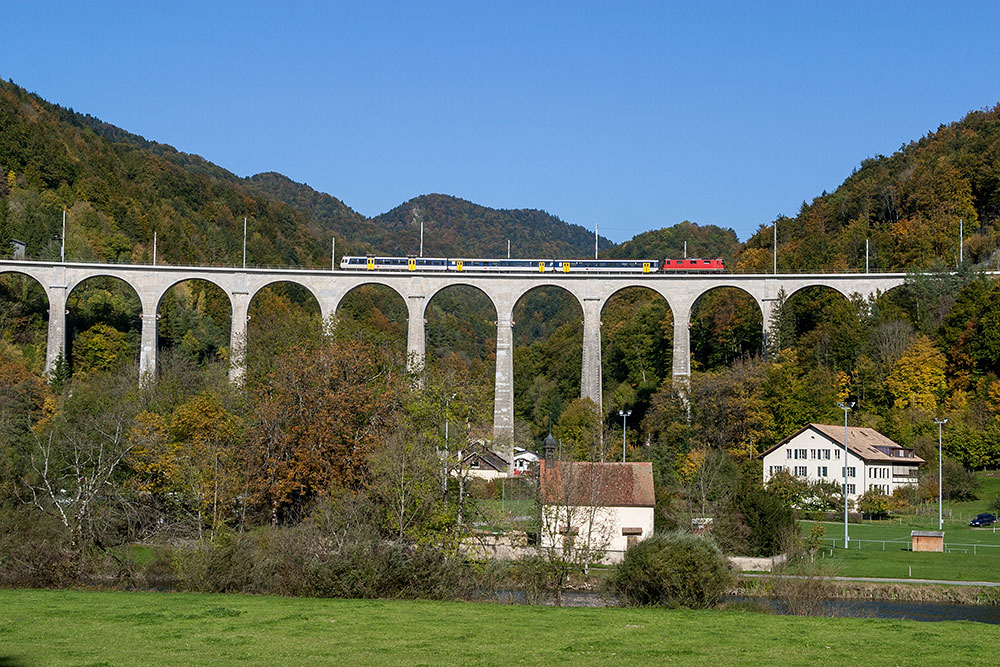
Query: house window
x,y
826,454
821,471
801,471
789,453
850,488
850,471
812,453
836,453
802,453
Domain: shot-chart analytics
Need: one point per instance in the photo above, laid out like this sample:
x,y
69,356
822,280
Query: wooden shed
x,y
927,540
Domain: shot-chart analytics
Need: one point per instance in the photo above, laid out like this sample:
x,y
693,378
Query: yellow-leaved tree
x,y
204,457
917,378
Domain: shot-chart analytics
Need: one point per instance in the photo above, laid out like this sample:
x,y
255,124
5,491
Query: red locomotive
x,y
694,265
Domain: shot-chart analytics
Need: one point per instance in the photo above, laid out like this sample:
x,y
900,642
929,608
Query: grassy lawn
x,y
963,562
74,628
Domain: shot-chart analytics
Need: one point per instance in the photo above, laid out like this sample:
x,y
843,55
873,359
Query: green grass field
x,y
973,553
112,628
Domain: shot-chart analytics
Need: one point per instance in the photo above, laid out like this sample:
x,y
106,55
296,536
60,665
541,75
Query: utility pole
x,y
685,250
775,247
846,407
595,240
961,241
940,423
624,414
421,237
333,253
62,248
244,242
154,248
508,248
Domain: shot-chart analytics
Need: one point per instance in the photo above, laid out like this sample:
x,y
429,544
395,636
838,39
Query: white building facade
x,y
816,453
599,508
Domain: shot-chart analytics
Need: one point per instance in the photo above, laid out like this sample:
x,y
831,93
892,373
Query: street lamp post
x,y
624,414
447,451
846,407
940,423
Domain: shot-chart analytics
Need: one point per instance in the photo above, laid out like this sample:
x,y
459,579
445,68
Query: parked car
x,y
983,520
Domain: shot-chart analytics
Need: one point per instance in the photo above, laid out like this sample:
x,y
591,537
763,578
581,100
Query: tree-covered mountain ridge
x,y
452,226
908,206
119,188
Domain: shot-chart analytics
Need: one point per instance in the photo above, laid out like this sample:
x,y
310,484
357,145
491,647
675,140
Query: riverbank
x,y
835,588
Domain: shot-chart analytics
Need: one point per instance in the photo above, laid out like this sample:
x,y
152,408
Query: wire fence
x,y
950,547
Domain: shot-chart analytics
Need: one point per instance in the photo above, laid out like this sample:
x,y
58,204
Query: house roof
x,y
597,484
486,457
861,441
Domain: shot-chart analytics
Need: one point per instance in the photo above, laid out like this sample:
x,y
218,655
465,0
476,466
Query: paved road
x,y
878,580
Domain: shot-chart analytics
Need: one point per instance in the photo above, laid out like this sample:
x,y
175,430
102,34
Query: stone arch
x,y
737,329
122,312
544,385
26,303
441,288
364,283
296,283
376,309
73,285
543,284
820,321
636,345
177,281
461,322
817,285
195,322
487,338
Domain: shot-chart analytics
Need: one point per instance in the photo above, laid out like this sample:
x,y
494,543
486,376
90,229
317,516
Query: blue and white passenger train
x,y
375,263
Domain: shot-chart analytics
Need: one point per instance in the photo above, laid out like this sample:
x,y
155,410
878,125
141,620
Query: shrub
x,y
789,488
874,504
958,483
672,569
34,550
768,520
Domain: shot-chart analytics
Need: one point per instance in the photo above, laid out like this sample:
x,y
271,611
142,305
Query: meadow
x,y
43,627
881,548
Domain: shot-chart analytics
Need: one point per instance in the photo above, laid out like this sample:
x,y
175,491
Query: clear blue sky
x,y
632,115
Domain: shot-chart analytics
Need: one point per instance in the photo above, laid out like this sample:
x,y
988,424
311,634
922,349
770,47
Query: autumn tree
x,y
204,458
918,377
100,348
317,420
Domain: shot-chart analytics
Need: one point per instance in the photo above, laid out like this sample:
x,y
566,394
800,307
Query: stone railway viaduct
x,y
592,291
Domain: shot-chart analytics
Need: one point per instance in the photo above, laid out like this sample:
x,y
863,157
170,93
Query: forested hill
x,y
324,211
118,189
908,204
701,240
454,226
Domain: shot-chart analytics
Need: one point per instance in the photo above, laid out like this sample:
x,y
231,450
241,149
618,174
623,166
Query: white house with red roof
x,y
816,453
600,508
